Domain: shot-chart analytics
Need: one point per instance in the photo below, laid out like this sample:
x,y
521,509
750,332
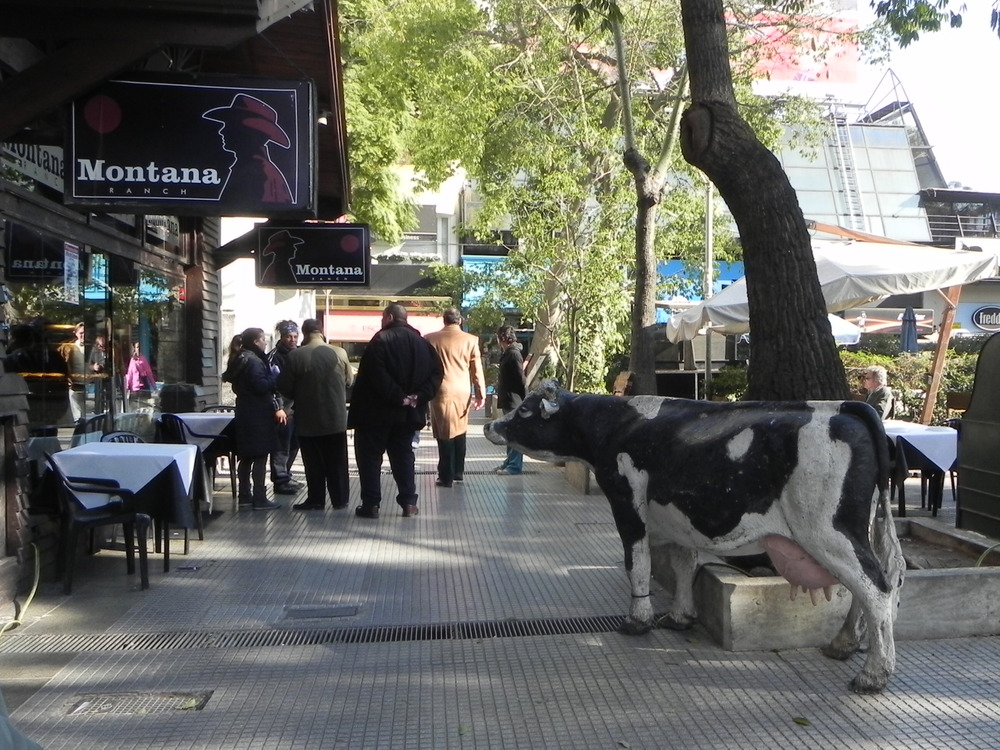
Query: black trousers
x,y
324,458
451,459
370,444
283,458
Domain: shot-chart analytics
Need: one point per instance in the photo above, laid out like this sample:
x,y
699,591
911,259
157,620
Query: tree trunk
x,y
792,351
642,354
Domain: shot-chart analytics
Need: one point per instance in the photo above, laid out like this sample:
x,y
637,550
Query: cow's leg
x,y
847,642
626,491
684,564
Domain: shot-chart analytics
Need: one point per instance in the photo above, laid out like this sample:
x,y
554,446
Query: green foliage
x,y
729,383
909,18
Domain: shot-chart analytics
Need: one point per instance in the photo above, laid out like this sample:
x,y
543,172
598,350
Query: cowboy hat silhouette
x,y
251,113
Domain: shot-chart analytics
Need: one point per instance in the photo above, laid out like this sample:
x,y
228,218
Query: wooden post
x,y
951,295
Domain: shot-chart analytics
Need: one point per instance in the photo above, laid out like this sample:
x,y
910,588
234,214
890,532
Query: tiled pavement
x,y
485,622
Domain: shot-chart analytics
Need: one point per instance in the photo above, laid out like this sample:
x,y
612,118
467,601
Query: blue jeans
x,y
514,462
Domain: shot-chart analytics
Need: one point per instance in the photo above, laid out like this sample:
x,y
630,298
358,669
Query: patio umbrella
x,y
908,332
851,274
844,331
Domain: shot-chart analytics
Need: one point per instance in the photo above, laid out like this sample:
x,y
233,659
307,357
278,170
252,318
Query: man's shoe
x,y
410,510
366,511
307,506
289,488
246,501
508,472
266,505
439,483
460,479
340,506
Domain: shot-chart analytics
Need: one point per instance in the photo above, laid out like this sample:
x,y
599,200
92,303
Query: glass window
x,y
74,315
886,137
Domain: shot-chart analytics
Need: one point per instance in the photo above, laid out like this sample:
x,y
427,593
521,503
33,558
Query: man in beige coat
x,y
462,388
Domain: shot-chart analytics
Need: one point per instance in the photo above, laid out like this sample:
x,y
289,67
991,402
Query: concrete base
x,y
751,614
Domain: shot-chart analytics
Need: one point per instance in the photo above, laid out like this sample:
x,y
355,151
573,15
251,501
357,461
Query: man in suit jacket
x,y
398,375
463,386
316,376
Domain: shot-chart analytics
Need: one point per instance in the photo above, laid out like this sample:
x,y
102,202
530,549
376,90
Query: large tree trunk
x,y
792,352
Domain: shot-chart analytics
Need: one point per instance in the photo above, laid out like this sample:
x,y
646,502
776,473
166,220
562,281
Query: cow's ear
x,y
549,408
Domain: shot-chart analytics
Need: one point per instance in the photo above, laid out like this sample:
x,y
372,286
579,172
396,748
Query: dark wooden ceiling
x,y
53,51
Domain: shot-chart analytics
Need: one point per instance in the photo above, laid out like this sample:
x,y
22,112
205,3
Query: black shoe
x,y
439,483
340,506
287,489
246,501
366,511
410,510
460,478
307,506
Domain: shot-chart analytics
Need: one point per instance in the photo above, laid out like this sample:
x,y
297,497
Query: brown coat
x,y
463,378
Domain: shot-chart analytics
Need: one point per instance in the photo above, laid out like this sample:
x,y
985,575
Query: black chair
x,y
121,436
77,515
223,448
87,426
173,430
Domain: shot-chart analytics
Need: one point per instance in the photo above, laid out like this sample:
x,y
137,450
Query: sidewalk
x,y
485,622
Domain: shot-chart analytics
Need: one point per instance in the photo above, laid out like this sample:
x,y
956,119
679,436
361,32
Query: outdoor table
x,y
162,476
204,428
930,449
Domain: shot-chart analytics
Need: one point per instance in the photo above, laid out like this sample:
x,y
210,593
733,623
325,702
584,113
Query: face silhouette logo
x,y
248,127
279,245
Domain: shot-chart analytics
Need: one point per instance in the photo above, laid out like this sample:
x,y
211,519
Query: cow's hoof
x,y
672,623
831,651
865,684
634,627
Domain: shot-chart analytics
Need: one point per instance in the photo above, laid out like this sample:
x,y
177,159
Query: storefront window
x,y
76,317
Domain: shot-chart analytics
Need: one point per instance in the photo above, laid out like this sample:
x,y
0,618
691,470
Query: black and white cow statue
x,y
803,481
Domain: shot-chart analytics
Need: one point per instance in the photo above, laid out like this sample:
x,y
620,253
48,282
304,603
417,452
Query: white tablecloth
x,y
133,466
208,425
939,445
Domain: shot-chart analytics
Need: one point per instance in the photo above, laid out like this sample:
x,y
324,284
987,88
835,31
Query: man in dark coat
x,y
288,444
317,376
511,388
398,375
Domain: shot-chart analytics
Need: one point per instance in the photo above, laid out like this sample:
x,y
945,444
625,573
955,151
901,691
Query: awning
x,y
851,274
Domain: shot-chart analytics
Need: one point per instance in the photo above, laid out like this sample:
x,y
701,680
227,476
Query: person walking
x,y
258,413
316,377
398,375
511,388
288,444
462,386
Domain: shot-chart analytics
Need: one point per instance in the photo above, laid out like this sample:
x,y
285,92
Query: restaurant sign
x,y
33,256
987,318
313,255
218,147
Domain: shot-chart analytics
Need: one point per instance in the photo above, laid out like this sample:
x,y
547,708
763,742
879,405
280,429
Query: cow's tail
x,y
885,543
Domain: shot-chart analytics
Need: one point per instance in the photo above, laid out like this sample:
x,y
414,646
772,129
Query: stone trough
x,y
744,613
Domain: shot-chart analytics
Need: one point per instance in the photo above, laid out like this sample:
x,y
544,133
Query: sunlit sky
x,y
951,79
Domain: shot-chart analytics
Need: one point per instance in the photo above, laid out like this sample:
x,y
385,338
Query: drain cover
x,y
306,611
138,703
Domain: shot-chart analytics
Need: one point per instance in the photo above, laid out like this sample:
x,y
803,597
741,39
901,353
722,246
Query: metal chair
x,y
121,436
85,429
92,502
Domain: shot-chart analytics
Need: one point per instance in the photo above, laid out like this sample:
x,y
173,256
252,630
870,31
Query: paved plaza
x,y
488,621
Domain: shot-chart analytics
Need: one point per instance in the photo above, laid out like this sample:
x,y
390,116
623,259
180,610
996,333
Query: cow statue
x,y
805,482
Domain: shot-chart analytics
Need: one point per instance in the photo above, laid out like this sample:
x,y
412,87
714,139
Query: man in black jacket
x,y
288,444
398,374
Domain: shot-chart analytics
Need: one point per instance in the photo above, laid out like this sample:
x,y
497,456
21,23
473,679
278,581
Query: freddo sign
x,y
987,318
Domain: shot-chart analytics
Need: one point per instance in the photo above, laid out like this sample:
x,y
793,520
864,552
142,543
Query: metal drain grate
x,y
308,637
138,703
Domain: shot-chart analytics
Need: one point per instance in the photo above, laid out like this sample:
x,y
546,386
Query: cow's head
x,y
538,427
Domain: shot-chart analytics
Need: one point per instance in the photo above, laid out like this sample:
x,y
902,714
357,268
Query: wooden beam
x,y
62,76
952,295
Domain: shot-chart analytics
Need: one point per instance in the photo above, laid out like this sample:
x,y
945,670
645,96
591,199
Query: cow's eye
x,y
524,412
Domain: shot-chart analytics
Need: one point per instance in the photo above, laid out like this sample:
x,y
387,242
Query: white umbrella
x,y
844,331
851,274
